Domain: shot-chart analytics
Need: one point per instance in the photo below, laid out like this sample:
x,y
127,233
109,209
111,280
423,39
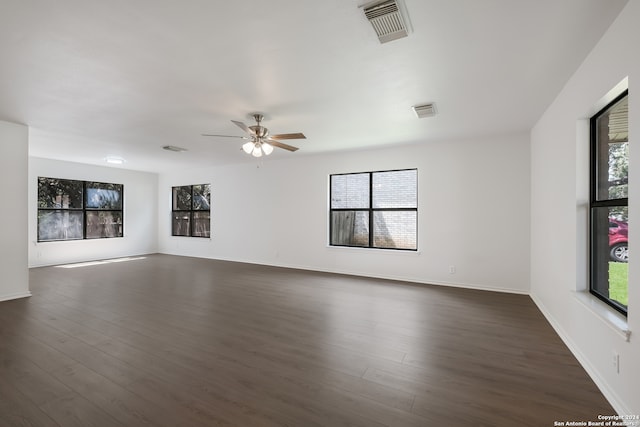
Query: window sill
x,y
611,318
374,250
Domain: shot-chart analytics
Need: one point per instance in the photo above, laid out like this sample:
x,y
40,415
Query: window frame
x,y
192,211
85,210
595,203
371,211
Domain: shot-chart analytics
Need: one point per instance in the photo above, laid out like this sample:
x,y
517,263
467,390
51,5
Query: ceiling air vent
x,y
387,20
426,110
173,148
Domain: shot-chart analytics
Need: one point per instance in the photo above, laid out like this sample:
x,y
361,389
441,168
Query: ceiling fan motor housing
x,y
259,131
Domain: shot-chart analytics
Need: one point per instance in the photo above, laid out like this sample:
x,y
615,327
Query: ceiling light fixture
x,y
259,144
114,160
257,148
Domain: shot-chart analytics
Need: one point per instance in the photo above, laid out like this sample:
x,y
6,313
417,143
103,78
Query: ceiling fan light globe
x,y
248,147
267,148
257,151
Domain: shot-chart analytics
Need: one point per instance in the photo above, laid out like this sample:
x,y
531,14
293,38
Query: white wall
x,y
559,194
473,213
13,174
140,214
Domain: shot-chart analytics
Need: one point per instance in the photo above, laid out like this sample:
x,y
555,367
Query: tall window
x,y
190,215
72,210
374,209
609,244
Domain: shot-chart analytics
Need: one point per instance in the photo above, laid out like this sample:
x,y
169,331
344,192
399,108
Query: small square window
x,y
191,213
374,209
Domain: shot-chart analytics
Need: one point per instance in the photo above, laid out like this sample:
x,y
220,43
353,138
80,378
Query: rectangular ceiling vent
x,y
426,110
387,21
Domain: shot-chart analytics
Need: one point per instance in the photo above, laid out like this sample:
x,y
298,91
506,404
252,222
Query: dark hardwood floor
x,y
176,341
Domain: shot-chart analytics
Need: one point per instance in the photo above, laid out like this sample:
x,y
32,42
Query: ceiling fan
x,y
260,142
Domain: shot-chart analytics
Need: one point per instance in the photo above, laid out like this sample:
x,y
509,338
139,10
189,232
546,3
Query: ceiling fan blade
x,y
225,136
281,145
242,126
289,136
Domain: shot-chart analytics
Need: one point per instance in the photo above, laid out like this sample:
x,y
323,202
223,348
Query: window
x,y
609,245
73,210
190,215
374,209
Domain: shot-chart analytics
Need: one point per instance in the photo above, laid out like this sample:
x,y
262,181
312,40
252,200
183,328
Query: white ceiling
x,y
97,78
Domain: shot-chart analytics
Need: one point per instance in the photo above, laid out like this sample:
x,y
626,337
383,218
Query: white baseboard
x,y
420,281
609,394
15,296
360,274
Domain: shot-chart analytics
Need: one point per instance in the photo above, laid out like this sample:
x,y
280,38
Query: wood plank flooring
x,y
178,341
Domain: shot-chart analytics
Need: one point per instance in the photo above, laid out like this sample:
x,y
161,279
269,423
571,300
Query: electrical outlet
x,y
615,360
452,269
